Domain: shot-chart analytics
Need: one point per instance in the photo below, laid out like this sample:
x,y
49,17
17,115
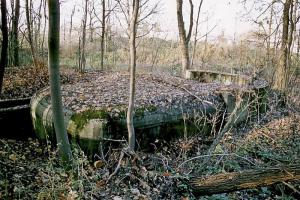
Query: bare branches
x,y
146,11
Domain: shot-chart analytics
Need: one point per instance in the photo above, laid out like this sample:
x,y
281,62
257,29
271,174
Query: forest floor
x,y
30,169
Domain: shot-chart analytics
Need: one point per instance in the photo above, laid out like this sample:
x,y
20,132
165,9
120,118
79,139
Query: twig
x,y
231,120
124,150
190,93
292,187
112,140
117,168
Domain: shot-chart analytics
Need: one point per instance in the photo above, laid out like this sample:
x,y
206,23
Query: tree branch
x,y
191,21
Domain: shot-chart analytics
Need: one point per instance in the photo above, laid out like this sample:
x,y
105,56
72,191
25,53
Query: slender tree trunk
x,y
64,33
132,44
56,101
91,27
29,26
71,24
83,41
70,31
107,26
184,38
196,33
37,36
280,82
269,34
15,38
298,45
290,36
79,53
4,49
44,30
103,33
296,14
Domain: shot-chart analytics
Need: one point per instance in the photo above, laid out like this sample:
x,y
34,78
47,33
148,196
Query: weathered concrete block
x,y
171,112
220,77
89,127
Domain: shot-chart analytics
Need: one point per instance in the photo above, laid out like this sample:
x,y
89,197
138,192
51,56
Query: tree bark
x,y
184,38
15,38
71,23
82,63
290,35
70,31
38,24
44,30
56,101
228,182
4,49
132,45
91,26
281,72
269,34
298,45
29,27
196,33
103,33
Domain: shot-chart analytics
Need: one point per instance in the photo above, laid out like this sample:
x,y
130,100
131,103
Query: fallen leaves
x,y
22,82
99,164
110,91
12,157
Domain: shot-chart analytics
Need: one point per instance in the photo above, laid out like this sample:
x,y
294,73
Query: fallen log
x,y
228,182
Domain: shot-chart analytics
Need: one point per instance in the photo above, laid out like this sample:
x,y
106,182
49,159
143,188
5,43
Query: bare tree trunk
x,y
103,33
44,30
196,33
79,53
108,26
281,72
296,18
91,26
184,38
71,23
38,26
132,44
291,34
71,28
64,33
15,38
298,46
269,34
83,40
56,101
29,26
4,48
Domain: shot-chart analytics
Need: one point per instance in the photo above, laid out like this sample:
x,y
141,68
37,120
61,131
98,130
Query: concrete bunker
x,y
165,107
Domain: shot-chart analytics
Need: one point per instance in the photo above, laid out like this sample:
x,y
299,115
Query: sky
x,y
226,15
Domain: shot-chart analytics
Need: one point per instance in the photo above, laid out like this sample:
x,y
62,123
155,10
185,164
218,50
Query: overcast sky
x,y
225,14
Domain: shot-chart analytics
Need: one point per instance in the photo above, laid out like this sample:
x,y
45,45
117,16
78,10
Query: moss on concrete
x,y
140,111
82,118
